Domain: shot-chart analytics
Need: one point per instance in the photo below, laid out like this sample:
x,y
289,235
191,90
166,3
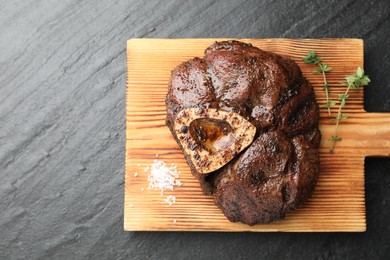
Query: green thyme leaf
x,y
322,68
335,138
343,96
318,71
342,104
350,80
358,79
359,72
339,116
311,58
328,104
325,68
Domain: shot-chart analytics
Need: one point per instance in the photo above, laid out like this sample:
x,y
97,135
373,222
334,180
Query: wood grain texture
x,y
337,203
62,131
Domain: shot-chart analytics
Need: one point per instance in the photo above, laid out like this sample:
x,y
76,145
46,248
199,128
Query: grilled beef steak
x,y
279,169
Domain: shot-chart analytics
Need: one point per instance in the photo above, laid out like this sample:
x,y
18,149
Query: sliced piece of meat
x,y
278,171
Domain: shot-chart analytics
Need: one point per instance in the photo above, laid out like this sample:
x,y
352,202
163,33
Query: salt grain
x,y
170,200
174,221
135,174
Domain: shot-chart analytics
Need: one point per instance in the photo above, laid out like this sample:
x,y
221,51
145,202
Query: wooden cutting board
x,y
338,202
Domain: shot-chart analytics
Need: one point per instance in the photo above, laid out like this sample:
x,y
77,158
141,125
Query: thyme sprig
x,y
312,58
354,81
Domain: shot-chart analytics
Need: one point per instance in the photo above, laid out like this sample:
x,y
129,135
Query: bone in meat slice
x,y
212,137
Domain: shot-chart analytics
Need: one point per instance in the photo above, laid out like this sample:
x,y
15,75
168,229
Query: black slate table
x,y
62,126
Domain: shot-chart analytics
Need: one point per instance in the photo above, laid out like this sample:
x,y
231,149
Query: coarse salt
x,y
170,200
136,174
162,177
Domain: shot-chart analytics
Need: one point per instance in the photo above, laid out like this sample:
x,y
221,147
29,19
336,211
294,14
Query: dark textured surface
x,y
62,114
